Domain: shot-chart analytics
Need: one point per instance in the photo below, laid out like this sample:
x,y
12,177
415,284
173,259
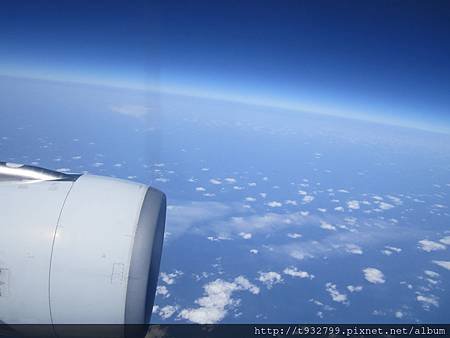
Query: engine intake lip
x,y
145,258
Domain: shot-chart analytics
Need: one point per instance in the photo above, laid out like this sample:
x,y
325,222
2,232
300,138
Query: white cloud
x,y
373,275
390,250
443,264
250,199
167,311
327,226
294,272
254,251
335,294
265,223
169,278
432,281
427,301
431,274
339,209
353,288
245,235
202,275
399,314
385,206
440,206
270,278
354,249
163,291
429,246
393,248
308,199
395,199
360,232
219,238
353,204
230,180
231,219
200,189
445,240
274,204
325,307
294,235
215,181
291,202
214,305
244,284
131,110
181,217
299,254
350,220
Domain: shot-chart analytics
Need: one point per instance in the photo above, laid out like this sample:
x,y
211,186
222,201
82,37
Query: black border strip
x,y
227,330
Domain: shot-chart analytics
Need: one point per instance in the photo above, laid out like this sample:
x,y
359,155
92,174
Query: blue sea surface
x,y
273,215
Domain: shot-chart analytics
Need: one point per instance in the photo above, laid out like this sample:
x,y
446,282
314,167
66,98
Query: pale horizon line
x,y
199,93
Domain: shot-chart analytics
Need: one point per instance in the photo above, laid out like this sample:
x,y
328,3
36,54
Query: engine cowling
x,y
77,249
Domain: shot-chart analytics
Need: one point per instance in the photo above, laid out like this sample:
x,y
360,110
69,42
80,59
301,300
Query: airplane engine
x,y
77,249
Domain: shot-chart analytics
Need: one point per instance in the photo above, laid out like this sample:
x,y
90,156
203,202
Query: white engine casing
x,y
78,249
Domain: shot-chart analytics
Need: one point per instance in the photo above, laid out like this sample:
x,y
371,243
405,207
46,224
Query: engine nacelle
x,y
77,249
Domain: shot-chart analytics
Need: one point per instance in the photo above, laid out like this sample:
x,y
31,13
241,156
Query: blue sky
x,y
383,60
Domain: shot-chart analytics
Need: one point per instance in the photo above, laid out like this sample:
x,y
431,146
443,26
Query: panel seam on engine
x,y
51,253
